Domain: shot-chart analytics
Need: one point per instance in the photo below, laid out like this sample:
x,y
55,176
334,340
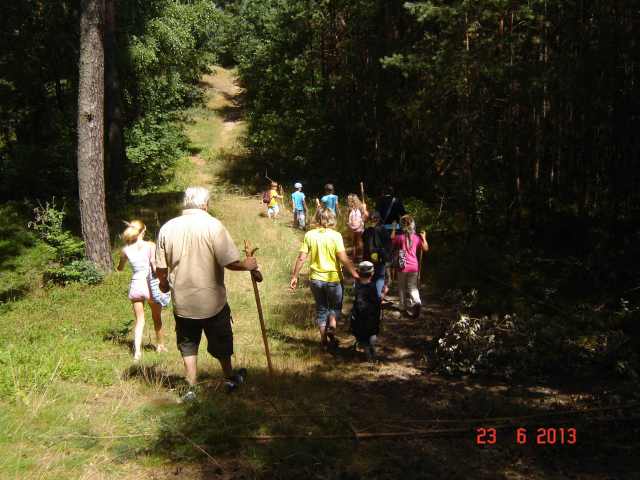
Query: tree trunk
x,y
93,218
115,153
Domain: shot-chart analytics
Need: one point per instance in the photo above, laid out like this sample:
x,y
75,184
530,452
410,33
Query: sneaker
x,y
415,310
189,397
237,379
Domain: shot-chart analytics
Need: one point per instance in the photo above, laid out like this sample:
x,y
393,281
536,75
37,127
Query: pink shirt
x,y
411,253
356,223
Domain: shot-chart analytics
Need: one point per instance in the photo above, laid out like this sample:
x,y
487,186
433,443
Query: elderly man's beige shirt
x,y
196,247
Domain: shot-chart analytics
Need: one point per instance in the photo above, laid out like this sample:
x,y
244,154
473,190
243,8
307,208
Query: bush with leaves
x,y
83,271
48,225
68,250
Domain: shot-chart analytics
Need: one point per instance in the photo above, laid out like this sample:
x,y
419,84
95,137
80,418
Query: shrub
x,y
82,271
154,146
68,250
48,225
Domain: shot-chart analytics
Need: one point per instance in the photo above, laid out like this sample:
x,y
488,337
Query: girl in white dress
x,y
141,255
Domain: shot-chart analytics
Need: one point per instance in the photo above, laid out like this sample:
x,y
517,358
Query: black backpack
x,y
374,246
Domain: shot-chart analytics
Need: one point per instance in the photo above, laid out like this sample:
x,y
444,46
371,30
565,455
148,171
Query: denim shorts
x,y
328,297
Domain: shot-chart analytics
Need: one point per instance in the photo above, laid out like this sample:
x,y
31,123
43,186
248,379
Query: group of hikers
x,y
383,241
186,266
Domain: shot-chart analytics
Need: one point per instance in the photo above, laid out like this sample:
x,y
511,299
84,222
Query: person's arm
x,y
122,262
161,273
425,244
337,207
344,260
300,259
365,212
304,204
393,230
248,264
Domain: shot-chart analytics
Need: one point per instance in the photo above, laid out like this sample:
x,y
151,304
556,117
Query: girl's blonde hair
x,y
354,202
327,218
408,226
133,231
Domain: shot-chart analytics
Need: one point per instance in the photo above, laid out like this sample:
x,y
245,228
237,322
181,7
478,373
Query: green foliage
x,y
82,271
154,146
162,48
48,225
68,250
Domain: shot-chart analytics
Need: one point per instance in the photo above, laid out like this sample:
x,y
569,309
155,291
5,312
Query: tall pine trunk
x,y
95,230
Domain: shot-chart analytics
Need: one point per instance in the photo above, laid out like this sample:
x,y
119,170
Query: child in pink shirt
x,y
407,245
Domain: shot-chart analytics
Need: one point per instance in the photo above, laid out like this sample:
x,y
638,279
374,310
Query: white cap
x,y
297,185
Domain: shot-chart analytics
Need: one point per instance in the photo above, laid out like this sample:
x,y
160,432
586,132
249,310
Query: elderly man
x,y
191,254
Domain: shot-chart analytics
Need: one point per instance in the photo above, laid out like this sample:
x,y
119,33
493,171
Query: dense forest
x,y
509,128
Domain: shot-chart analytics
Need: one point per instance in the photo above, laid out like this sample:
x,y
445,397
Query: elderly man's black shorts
x,y
217,329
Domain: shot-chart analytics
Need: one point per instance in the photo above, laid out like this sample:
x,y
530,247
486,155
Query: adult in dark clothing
x,y
390,208
377,250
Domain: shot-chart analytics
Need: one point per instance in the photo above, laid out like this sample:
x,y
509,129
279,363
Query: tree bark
x,y
93,217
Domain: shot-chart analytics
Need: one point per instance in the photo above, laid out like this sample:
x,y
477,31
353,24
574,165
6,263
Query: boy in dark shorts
x,y
365,315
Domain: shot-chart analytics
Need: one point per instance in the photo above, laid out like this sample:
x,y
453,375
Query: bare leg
x,y
360,249
191,368
227,368
156,314
354,242
138,311
323,336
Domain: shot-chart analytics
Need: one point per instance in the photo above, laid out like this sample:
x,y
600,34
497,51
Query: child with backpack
x,y
357,216
377,250
270,197
365,315
330,200
299,207
406,246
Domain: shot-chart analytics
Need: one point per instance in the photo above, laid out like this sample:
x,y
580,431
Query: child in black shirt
x,y
365,315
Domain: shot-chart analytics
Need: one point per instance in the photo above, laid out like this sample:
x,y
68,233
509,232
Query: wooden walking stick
x,y
256,277
362,192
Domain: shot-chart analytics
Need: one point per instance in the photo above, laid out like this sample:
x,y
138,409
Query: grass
x,y
74,406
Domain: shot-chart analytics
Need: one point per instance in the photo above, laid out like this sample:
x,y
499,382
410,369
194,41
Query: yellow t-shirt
x,y
322,245
273,194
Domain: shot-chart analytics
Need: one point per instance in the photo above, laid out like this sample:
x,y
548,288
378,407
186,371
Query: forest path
x,y
401,350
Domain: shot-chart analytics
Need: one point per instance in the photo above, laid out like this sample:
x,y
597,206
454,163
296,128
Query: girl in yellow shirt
x,y
325,249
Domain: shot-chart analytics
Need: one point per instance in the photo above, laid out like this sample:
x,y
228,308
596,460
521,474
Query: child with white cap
x,y
365,314
299,206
